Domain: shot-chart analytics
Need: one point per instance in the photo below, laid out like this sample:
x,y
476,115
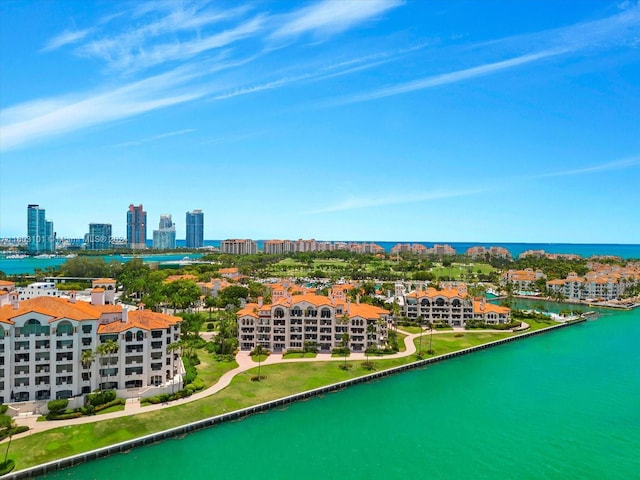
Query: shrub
x,y
100,398
13,431
117,401
209,327
56,407
6,467
3,409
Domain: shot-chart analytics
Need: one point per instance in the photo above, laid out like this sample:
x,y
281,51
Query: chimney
x,y
349,306
357,299
72,296
259,302
14,300
141,306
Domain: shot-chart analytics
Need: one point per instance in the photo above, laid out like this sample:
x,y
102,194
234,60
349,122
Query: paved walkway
x,y
245,362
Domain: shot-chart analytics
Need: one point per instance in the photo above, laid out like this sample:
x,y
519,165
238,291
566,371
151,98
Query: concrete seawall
x,y
238,414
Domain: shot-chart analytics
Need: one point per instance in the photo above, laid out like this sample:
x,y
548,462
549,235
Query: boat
x,y
16,256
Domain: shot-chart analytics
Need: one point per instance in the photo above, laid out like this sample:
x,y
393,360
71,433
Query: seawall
x,y
238,414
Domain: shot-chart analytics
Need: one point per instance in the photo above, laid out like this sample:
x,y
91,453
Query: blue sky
x,y
336,120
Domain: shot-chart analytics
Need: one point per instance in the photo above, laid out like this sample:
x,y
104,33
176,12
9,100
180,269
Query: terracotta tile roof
x,y
142,319
54,307
489,308
174,278
431,292
97,290
103,280
6,283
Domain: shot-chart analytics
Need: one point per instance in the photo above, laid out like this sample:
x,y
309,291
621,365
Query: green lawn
x,y
300,355
410,329
401,345
210,370
449,342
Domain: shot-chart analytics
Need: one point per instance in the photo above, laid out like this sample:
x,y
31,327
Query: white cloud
x,y
65,38
133,143
332,16
26,123
378,201
603,167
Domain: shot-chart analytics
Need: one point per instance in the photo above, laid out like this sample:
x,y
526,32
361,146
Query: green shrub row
x,y
6,467
3,409
473,324
12,431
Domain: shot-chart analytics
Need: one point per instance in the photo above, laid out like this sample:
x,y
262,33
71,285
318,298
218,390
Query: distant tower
x,y
136,227
41,237
99,237
195,229
165,237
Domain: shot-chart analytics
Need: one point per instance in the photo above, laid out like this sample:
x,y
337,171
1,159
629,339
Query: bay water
x,y
561,405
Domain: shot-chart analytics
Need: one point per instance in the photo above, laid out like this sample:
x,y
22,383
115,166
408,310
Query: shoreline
x,y
613,304
265,406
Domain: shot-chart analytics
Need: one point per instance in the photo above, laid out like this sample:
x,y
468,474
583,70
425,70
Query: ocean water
x,y
28,265
563,405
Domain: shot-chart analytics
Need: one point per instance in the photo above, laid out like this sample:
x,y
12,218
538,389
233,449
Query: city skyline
x,y
380,120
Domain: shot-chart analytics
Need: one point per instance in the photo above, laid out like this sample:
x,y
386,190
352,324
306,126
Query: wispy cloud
x,y
332,16
448,78
66,38
622,164
133,48
353,203
621,29
32,121
346,67
133,143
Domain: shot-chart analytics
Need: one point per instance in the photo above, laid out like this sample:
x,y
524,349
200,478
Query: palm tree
x,y
259,351
420,318
106,349
345,348
371,330
431,351
86,359
171,348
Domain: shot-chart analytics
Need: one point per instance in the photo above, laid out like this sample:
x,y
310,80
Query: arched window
x,y
424,302
456,303
440,302
139,335
64,328
34,327
325,313
278,313
128,336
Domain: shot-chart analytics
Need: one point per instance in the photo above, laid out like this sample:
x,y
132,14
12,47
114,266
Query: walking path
x,y
245,362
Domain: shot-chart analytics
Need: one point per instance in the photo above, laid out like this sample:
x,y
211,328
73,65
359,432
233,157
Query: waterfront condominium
x,y
299,318
99,237
40,235
51,348
165,237
195,229
136,227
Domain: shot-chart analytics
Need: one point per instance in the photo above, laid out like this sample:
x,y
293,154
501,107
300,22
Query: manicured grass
x,y
300,355
210,370
448,342
259,358
401,346
537,324
410,329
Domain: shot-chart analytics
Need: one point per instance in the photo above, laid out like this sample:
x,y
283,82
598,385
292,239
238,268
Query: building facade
x,y
195,229
239,246
136,227
295,320
49,348
99,237
165,237
40,233
452,306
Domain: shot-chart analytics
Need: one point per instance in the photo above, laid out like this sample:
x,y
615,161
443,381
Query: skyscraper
x,y
136,227
40,234
99,236
165,237
195,229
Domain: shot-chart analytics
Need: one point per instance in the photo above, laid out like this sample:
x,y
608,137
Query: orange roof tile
x,y
103,280
142,319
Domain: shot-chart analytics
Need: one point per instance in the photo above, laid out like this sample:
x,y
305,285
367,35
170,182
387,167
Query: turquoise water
x,y
28,265
563,405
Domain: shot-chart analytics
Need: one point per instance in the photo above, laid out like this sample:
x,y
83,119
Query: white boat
x,y
16,256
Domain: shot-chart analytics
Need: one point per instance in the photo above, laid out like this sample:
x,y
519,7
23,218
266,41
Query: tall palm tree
x,y
107,349
420,337
171,348
86,358
259,351
371,330
430,352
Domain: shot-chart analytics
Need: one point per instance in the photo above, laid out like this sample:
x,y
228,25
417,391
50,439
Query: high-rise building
x,y
195,229
136,227
165,237
40,234
99,236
